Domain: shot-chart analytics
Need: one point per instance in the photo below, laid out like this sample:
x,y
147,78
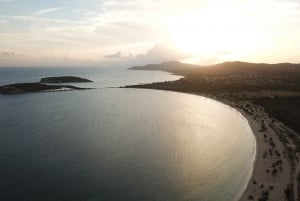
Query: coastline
x,y
254,126
272,175
268,96
263,185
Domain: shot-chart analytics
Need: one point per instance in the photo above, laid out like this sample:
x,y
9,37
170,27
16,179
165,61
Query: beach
x,y
272,176
268,99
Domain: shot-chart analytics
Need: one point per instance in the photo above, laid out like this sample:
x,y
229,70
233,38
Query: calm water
x,y
102,77
119,144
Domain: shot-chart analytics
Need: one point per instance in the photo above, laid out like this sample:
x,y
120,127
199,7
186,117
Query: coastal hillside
x,y
259,83
229,76
269,96
236,67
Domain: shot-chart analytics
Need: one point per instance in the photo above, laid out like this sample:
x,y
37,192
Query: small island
x,y
42,86
64,79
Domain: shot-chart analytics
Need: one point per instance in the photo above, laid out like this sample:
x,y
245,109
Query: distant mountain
x,y
236,67
165,66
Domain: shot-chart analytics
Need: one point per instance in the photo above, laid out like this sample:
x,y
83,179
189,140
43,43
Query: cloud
x,y
6,1
110,30
3,21
158,53
7,54
46,11
161,52
211,59
115,25
117,55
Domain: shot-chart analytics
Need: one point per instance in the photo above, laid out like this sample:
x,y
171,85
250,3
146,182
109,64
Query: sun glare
x,y
213,30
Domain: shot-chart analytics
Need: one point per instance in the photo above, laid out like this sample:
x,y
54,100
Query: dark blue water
x,y
119,144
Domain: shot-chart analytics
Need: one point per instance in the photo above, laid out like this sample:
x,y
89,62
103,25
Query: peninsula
x,y
20,88
268,95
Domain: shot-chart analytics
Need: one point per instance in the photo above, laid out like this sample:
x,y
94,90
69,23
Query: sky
x,y
138,32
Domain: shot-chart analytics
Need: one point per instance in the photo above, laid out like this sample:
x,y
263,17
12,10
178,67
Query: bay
x,y
119,144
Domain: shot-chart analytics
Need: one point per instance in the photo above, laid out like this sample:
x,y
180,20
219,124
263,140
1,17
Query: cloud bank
x,y
116,32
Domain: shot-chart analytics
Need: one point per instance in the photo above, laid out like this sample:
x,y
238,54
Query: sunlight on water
x,y
122,144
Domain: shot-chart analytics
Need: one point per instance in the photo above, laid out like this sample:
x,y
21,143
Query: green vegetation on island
x,y
41,86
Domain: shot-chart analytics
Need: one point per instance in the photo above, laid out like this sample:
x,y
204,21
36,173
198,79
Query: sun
x,y
212,30
190,37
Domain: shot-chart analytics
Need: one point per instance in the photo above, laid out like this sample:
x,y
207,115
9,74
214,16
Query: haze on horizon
x,y
137,32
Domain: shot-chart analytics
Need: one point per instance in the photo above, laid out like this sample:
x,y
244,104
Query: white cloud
x,y
117,55
130,26
7,1
3,21
156,54
120,27
160,53
46,11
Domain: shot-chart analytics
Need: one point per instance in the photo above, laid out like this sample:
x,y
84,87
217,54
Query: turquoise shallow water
x,y
121,144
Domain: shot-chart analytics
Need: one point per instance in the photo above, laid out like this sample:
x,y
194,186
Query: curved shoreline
x,y
264,182
260,181
253,126
249,88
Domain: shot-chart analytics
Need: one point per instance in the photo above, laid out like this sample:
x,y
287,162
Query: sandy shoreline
x,y
254,127
272,173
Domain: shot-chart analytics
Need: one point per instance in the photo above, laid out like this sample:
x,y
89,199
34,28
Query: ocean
x,y
117,144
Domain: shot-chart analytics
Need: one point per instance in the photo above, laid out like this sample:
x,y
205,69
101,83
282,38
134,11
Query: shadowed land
x,y
21,88
268,95
287,109
64,79
232,77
